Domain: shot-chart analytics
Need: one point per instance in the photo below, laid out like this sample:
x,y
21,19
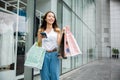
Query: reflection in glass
x,y
21,37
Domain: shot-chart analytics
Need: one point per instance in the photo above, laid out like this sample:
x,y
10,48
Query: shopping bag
x,y
71,47
61,48
35,57
66,46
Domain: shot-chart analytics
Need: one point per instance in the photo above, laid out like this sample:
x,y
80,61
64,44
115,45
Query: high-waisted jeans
x,y
51,67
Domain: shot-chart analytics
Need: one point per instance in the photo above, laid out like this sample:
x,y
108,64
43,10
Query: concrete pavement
x,y
104,69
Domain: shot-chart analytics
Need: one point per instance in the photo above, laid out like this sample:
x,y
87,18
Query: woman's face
x,y
50,18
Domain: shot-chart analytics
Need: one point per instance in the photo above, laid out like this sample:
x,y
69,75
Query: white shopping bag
x,y
35,57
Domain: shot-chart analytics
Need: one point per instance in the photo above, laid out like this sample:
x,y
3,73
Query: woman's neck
x,y
49,28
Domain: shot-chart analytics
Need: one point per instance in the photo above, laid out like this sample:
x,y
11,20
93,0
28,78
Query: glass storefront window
x,y
82,25
16,13
68,2
66,65
85,37
21,37
66,17
90,50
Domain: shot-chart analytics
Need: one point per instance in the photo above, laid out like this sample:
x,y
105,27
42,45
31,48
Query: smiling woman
x,y
51,66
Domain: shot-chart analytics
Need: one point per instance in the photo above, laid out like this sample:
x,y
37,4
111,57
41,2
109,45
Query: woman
x,y
50,69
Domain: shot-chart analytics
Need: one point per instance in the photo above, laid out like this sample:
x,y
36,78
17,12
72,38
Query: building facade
x,y
107,20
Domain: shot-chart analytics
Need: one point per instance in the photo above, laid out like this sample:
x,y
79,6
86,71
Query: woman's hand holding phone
x,y
44,35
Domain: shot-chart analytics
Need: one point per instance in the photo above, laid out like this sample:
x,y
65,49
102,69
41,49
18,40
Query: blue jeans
x,y
51,67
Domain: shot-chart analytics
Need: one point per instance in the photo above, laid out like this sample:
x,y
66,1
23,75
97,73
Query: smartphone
x,y
44,34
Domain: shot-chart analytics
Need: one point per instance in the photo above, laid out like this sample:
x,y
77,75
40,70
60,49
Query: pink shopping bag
x,y
70,45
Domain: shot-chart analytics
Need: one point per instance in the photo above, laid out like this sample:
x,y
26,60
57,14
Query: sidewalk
x,y
105,69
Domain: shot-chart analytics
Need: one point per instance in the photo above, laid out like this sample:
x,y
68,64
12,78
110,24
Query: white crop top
x,y
50,42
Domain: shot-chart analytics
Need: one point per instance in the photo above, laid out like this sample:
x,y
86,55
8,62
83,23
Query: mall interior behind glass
x,y
94,24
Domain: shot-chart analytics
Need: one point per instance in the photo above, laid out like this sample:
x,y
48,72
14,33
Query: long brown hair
x,y
44,23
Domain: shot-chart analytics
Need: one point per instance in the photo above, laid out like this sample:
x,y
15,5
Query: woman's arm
x,y
59,35
39,36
